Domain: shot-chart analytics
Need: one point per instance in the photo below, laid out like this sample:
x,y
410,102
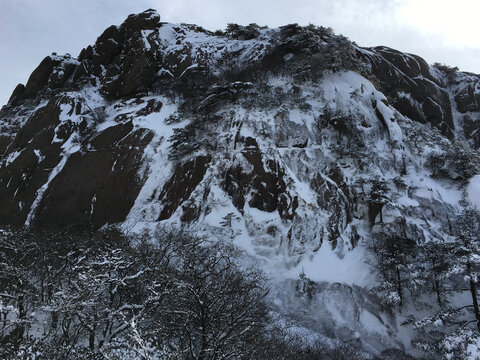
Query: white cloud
x,y
456,22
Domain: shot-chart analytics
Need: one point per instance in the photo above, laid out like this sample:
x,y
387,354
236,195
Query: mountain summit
x,y
294,145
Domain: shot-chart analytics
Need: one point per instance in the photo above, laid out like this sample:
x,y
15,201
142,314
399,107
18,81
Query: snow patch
x,y
473,191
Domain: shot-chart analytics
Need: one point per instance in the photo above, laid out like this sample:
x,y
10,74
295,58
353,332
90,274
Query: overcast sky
x,y
438,30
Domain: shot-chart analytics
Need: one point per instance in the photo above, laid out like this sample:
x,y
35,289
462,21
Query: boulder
x,y
107,46
147,20
111,33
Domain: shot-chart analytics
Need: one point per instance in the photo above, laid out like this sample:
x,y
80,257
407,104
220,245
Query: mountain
x,y
293,144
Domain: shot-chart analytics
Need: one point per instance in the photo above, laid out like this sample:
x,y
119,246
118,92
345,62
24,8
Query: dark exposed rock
x,y
101,184
17,94
334,197
110,33
182,183
177,63
4,142
110,136
471,129
19,182
60,75
107,46
44,119
400,74
151,107
106,51
39,77
147,20
140,75
52,73
119,58
21,178
467,99
113,158
265,184
86,53
81,71
373,210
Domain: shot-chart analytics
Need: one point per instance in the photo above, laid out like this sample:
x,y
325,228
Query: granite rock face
x,y
293,144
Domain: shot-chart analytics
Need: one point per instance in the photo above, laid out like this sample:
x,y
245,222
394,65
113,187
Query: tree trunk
x,y
473,290
437,290
91,340
437,284
399,287
54,320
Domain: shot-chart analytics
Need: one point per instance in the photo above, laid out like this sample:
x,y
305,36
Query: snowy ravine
x,y
292,144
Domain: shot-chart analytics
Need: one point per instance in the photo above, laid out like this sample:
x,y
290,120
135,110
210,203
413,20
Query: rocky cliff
x,y
294,144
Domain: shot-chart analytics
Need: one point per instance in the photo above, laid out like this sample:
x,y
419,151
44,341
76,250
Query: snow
x,y
156,169
294,246
326,265
69,147
184,41
473,191
156,121
145,34
433,189
39,155
43,189
404,200
11,157
303,190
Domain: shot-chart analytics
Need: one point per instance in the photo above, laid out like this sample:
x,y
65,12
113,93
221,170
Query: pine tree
x,y
377,199
434,259
394,261
467,255
454,330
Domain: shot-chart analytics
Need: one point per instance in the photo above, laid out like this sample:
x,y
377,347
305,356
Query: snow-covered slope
x,y
292,144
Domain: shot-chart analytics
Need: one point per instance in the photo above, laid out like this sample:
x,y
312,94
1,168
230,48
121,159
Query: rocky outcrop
x,y
410,86
264,184
147,20
38,170
181,185
17,94
39,77
293,144
28,161
467,93
101,183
